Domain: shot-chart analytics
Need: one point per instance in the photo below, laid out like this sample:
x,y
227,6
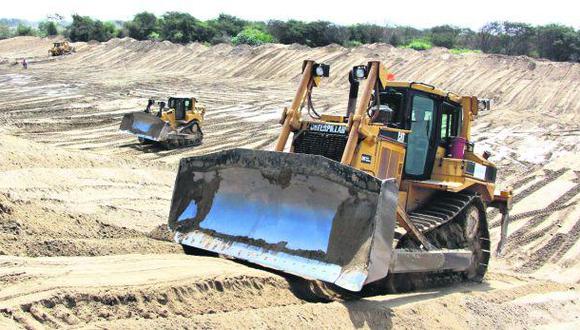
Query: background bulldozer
x,y
175,124
61,48
389,196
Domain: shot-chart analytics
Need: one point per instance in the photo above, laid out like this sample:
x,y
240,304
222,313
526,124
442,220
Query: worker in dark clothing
x,y
161,107
150,103
24,63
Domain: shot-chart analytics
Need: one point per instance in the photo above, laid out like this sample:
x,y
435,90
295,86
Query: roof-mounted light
x,y
360,72
321,70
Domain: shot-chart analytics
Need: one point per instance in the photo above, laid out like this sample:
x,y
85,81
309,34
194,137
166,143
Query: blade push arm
x,y
292,115
361,110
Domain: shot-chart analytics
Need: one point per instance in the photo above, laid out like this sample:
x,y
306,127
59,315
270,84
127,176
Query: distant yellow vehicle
x,y
60,48
178,125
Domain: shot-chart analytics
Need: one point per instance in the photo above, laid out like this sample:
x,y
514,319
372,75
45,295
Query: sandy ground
x,y
82,206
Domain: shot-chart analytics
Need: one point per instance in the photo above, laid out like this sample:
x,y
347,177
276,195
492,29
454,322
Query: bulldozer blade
x,y
302,214
146,126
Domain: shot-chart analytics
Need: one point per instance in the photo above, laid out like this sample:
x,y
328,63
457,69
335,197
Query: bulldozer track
x,y
442,222
441,209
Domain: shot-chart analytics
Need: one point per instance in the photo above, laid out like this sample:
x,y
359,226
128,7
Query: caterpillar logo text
x,y
326,128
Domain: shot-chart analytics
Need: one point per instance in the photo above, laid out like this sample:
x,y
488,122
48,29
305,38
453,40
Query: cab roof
x,y
427,88
182,97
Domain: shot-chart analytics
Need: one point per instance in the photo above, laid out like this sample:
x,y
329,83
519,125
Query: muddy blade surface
x,y
145,125
301,214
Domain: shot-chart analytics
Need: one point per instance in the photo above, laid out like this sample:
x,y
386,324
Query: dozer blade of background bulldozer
x,y
302,214
146,126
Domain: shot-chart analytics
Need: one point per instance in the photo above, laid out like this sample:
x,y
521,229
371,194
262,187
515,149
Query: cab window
x,y
391,109
450,120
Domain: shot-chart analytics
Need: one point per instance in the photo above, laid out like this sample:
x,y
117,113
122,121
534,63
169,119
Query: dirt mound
x,y
198,298
161,233
42,212
34,292
31,230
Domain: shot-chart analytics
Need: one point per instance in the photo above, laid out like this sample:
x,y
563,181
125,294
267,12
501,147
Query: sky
x,y
416,13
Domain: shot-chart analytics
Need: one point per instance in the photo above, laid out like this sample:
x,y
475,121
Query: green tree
x,y
81,28
367,33
289,32
183,28
444,36
47,28
111,30
142,26
395,40
322,33
558,42
489,37
517,38
228,24
466,39
84,28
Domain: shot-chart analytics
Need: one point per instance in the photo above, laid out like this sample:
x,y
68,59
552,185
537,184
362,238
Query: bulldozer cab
x,y
417,116
180,105
431,119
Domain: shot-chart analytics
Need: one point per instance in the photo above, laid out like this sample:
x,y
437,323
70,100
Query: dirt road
x,y
82,207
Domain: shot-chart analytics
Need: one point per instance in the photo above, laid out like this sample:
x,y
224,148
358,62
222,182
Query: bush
x,y
5,32
24,30
419,44
253,37
464,51
154,36
352,44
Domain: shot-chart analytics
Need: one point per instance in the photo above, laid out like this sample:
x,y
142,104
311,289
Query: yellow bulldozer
x,y
61,48
388,197
176,123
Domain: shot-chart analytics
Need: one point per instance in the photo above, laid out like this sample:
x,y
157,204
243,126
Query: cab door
x,y
421,144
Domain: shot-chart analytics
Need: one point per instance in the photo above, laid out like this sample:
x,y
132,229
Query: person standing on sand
x,y
24,63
